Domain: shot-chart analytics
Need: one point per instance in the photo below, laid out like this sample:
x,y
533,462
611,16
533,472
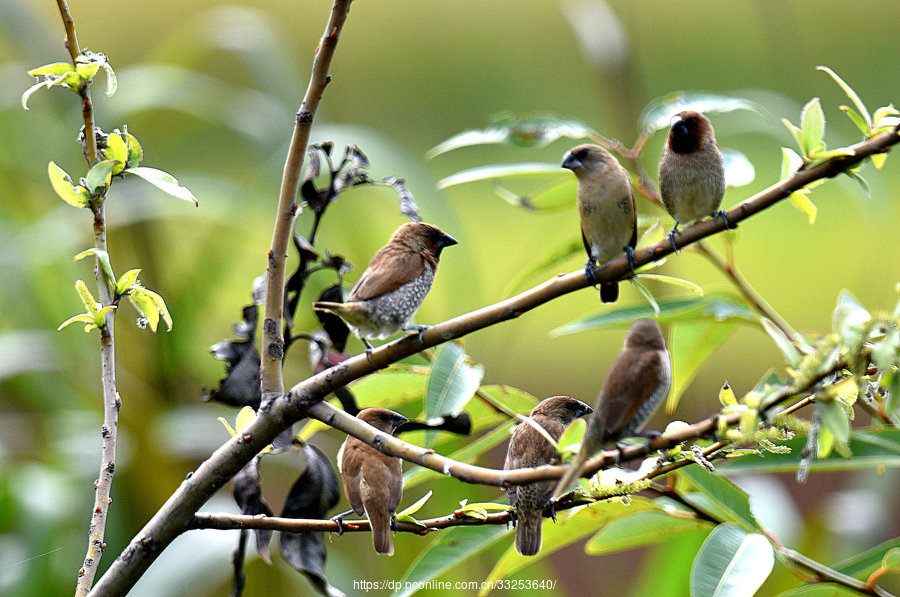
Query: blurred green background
x,y
211,89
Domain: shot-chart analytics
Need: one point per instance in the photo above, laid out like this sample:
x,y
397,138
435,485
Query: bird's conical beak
x,y
570,161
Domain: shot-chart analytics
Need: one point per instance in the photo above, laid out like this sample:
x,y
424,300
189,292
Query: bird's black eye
x,y
691,122
581,153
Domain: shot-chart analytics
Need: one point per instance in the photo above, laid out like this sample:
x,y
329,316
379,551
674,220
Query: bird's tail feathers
x,y
528,535
327,306
381,531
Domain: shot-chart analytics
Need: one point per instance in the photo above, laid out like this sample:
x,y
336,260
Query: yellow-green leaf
x,y
127,280
145,305
56,69
87,71
76,196
812,122
84,317
674,281
726,396
801,201
118,151
417,506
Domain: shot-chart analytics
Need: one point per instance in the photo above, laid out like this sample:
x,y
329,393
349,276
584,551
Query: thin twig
x,y
178,511
272,341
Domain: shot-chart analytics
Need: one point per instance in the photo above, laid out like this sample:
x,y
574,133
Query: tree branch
x,y
304,399
272,341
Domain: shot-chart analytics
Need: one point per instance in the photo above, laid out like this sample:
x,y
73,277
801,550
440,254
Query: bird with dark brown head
x,y
373,481
528,448
392,288
605,202
691,171
634,388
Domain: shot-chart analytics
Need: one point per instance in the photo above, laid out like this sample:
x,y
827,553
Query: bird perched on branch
x,y
605,201
373,481
528,448
691,171
634,388
394,285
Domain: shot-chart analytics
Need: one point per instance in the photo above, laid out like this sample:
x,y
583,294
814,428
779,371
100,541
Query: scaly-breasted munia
x,y
373,481
691,171
634,388
606,209
528,448
394,285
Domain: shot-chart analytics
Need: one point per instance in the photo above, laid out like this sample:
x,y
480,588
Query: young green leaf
x,y
786,347
860,106
99,175
731,563
674,281
812,122
800,199
164,182
28,92
835,419
87,71
56,69
417,506
726,396
790,162
135,151
796,132
856,118
452,383
159,305
125,283
76,196
146,307
102,257
118,151
647,296
496,171
719,493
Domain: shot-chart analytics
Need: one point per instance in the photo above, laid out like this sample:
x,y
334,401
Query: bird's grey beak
x,y
586,410
399,420
571,162
448,241
677,124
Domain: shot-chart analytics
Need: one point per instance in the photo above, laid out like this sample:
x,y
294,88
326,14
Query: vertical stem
x,y
111,401
272,383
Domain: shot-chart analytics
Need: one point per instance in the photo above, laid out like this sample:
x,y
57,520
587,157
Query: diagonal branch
x,y
304,399
272,341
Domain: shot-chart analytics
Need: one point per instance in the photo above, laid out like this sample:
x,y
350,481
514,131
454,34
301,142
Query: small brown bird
x,y
691,171
606,208
373,481
634,388
394,285
528,448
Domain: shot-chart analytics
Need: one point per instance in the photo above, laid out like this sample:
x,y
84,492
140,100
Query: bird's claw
x,y
552,506
421,331
393,522
339,519
629,255
672,237
721,214
513,518
589,272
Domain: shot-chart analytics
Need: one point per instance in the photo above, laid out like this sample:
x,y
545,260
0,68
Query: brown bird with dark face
x,y
528,448
373,481
636,385
394,285
606,208
691,171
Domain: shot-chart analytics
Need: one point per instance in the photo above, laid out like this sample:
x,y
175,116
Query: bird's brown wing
x,y
528,448
623,395
351,463
391,267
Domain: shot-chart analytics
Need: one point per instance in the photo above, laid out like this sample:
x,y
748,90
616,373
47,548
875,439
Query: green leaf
x,y
812,121
451,385
862,182
417,506
882,113
112,83
871,450
580,524
160,305
849,317
571,438
83,318
497,171
731,563
891,560
102,257
885,352
99,175
878,160
729,501
28,92
861,565
56,69
691,344
147,308
790,162
860,106
551,262
674,281
164,182
648,296
835,419
135,151
796,132
448,550
659,112
62,184
87,71
800,199
127,281
529,131
786,347
819,590
638,530
857,119
118,151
